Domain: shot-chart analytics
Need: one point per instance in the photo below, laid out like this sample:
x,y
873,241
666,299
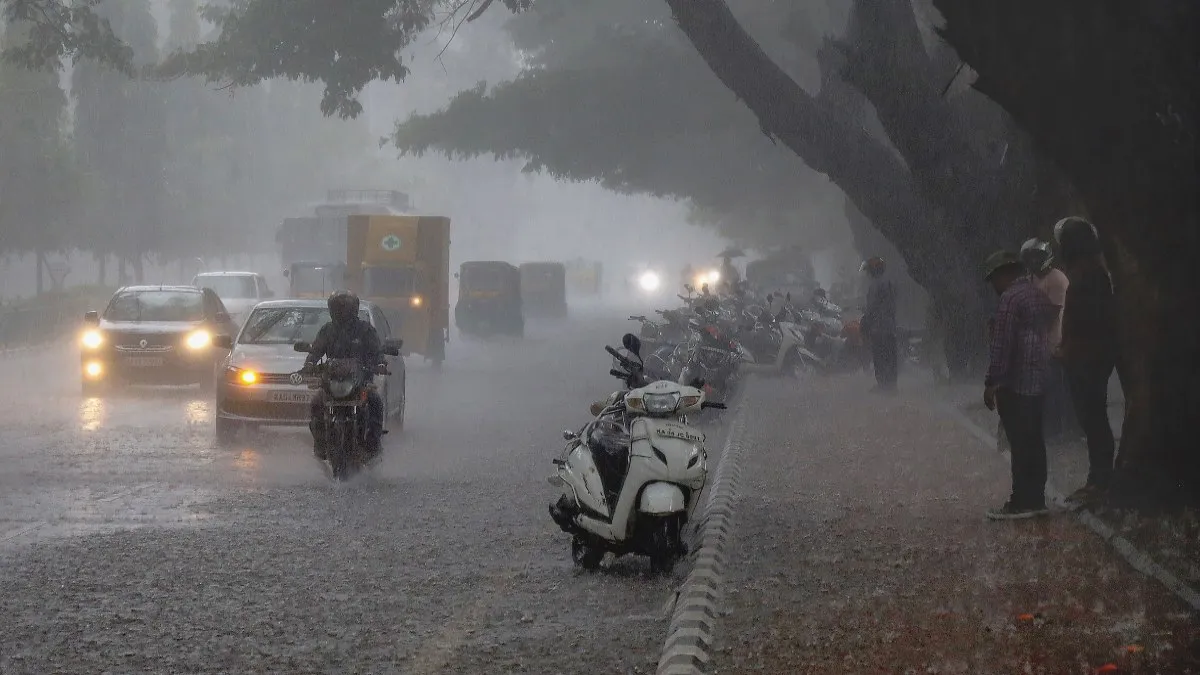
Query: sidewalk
x,y
861,547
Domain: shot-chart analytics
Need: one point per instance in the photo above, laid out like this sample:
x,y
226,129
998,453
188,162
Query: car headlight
x,y
93,369
92,339
341,388
649,281
199,339
658,404
416,301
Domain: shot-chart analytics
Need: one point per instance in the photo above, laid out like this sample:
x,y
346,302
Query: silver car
x,y
257,385
240,291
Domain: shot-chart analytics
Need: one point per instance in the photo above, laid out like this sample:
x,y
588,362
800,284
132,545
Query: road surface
x,y
130,542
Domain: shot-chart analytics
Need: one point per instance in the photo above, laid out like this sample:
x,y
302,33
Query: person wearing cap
x,y
1019,356
878,325
1038,259
1089,348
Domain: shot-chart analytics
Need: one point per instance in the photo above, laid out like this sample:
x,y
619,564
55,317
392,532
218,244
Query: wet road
x,y
130,542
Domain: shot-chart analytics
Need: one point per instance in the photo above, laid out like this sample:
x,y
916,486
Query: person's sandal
x,y
1010,512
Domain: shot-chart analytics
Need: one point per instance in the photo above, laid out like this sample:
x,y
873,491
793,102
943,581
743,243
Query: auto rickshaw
x,y
489,299
544,289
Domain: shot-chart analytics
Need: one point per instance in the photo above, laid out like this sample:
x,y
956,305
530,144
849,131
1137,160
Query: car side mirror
x,y
302,347
391,346
569,435
92,317
456,275
287,273
223,341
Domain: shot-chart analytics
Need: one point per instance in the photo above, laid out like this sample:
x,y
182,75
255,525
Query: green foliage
x,y
36,186
63,30
343,45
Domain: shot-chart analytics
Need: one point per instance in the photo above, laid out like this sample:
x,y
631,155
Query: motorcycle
x,y
346,387
632,477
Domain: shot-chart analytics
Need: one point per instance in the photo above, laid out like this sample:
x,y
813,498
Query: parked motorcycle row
x,y
632,476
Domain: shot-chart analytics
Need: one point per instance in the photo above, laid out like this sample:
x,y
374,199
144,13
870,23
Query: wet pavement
x,y
862,547
130,542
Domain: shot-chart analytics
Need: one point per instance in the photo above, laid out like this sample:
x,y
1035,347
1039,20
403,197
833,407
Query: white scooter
x,y
632,477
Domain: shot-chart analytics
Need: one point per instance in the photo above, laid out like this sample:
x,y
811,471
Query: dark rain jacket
x,y
879,319
354,340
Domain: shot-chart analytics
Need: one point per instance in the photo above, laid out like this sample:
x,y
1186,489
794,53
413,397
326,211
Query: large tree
x,y
37,187
1110,90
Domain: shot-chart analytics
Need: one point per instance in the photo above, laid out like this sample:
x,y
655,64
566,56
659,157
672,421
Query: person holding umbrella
x,y
729,272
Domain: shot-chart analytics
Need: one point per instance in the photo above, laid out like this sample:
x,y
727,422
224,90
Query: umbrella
x,y
732,253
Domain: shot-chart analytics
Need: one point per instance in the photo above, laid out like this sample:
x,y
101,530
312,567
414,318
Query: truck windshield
x,y
228,286
287,325
309,279
389,281
156,306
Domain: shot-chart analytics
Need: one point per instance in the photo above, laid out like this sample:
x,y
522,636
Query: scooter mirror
x,y
569,435
632,343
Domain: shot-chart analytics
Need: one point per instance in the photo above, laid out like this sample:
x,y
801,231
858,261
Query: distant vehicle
x,y
585,278
544,289
402,264
315,280
489,299
240,291
154,335
257,387
321,236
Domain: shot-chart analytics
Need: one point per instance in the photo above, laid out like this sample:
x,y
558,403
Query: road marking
x,y
690,636
22,530
1136,558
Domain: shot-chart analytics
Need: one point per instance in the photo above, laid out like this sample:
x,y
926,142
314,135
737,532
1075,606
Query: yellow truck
x,y
402,264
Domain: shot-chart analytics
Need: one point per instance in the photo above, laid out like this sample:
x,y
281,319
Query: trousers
x,y
1089,394
884,354
1021,417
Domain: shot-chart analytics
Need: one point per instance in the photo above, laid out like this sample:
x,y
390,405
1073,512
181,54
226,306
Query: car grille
x,y
274,378
267,410
127,342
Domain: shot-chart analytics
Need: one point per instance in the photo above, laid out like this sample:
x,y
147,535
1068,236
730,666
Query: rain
x,y
547,336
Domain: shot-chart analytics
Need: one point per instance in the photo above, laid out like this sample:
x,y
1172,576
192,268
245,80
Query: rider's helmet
x,y
1072,223
343,307
874,266
1036,255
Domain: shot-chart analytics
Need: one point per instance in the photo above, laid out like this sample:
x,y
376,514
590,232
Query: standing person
x,y
1039,261
879,325
1089,348
1018,359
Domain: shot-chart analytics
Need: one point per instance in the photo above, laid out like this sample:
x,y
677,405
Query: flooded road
x,y
129,541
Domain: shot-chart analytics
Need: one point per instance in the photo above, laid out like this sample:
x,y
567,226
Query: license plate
x,y
681,434
144,361
291,396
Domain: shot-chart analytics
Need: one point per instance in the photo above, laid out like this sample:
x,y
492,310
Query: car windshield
x,y
390,281
158,305
317,279
287,325
229,286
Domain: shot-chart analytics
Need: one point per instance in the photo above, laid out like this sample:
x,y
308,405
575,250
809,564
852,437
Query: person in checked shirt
x,y
1016,379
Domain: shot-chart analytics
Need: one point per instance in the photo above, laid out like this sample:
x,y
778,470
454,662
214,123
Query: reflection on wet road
x,y
446,541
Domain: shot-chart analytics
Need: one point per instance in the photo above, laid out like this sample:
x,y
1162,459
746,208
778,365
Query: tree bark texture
x,y
1109,89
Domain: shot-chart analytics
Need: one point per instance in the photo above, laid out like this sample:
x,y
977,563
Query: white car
x,y
258,386
239,291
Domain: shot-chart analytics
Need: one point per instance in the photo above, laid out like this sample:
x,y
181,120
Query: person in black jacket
x,y
1089,348
347,336
879,325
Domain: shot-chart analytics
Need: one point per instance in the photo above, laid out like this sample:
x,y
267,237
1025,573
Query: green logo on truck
x,y
390,243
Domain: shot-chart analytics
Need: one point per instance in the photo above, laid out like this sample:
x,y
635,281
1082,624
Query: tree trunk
x,y
39,269
122,271
138,262
101,268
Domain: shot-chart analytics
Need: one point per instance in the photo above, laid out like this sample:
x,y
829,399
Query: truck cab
x,y
402,264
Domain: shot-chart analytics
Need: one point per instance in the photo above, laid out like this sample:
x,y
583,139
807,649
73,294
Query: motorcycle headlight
x,y
649,281
199,339
341,388
92,339
658,404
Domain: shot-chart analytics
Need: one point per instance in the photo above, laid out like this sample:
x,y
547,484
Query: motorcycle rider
x,y
347,336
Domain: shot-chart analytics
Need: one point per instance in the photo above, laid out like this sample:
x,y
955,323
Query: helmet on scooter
x,y
874,266
343,307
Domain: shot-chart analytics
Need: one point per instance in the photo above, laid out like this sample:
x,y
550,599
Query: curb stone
x,y
690,635
1136,558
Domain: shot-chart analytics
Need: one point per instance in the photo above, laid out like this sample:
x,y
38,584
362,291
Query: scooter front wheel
x,y
584,555
666,544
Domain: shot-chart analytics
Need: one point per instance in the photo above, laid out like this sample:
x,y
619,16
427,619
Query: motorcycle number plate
x,y
681,434
144,361
291,396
